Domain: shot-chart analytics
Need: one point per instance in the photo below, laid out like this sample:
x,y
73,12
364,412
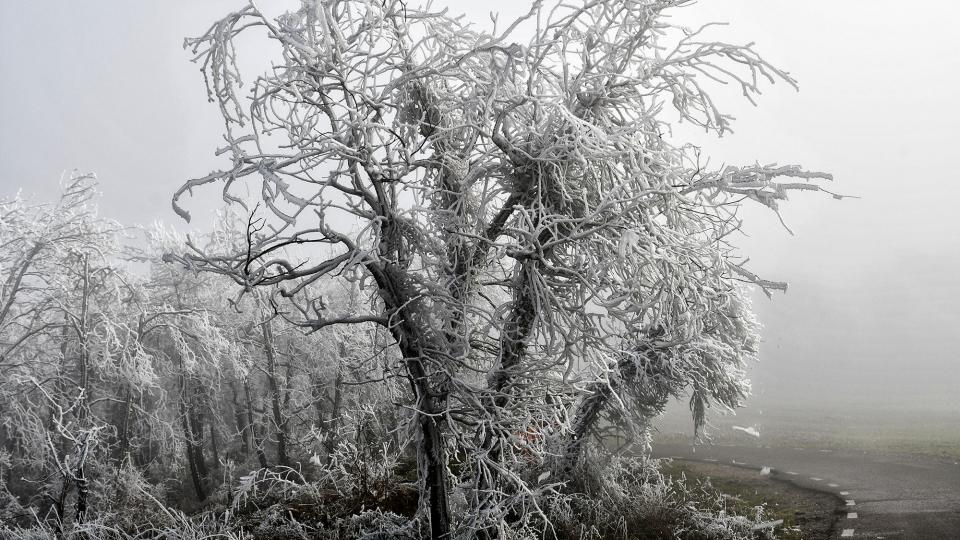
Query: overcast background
x,y
871,317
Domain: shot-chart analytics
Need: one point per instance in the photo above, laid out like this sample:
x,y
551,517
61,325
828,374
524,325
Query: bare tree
x,y
115,379
511,204
58,324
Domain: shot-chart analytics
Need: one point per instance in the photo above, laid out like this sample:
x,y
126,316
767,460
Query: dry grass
x,y
806,514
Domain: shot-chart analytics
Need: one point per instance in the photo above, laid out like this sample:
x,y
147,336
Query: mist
x,y
435,371
870,317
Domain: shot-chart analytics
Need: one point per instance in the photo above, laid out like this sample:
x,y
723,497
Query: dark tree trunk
x,y
588,412
254,431
83,364
278,421
196,424
433,455
240,419
334,424
80,479
191,455
60,504
196,466
513,347
213,444
148,449
82,494
400,299
287,396
317,395
598,396
123,447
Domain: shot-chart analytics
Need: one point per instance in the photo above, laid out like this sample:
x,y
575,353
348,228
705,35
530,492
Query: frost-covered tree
x,y
513,211
59,326
127,381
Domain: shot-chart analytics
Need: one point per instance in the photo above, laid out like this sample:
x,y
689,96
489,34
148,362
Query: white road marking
x,y
852,515
791,473
851,502
710,460
846,532
844,492
815,479
834,485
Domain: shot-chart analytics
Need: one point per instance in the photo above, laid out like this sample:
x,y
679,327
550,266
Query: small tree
x,y
59,321
511,206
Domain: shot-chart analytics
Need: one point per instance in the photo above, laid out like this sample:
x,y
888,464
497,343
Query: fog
x,y
870,318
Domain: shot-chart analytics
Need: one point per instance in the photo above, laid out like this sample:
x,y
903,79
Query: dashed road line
x,y
846,533
851,502
815,479
844,492
791,473
852,515
833,485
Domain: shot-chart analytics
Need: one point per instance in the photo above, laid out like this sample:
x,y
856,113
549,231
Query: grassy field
x,y
929,433
806,514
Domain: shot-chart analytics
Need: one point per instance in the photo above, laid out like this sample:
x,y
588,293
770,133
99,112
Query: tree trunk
x,y
196,424
287,396
188,424
240,419
433,456
588,412
254,432
598,396
191,455
431,398
60,503
513,347
83,355
278,421
337,401
124,428
431,447
213,444
317,395
80,479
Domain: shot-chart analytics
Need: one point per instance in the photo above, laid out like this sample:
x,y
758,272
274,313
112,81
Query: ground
x,y
807,514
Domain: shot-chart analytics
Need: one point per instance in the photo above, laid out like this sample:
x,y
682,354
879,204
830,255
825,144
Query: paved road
x,y
890,497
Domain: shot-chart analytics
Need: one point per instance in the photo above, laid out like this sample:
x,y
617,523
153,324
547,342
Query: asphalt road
x,y
886,496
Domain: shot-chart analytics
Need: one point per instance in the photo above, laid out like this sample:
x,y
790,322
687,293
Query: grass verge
x,y
806,514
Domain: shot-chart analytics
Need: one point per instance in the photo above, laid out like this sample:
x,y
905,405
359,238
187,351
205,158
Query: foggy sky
x,y
871,315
